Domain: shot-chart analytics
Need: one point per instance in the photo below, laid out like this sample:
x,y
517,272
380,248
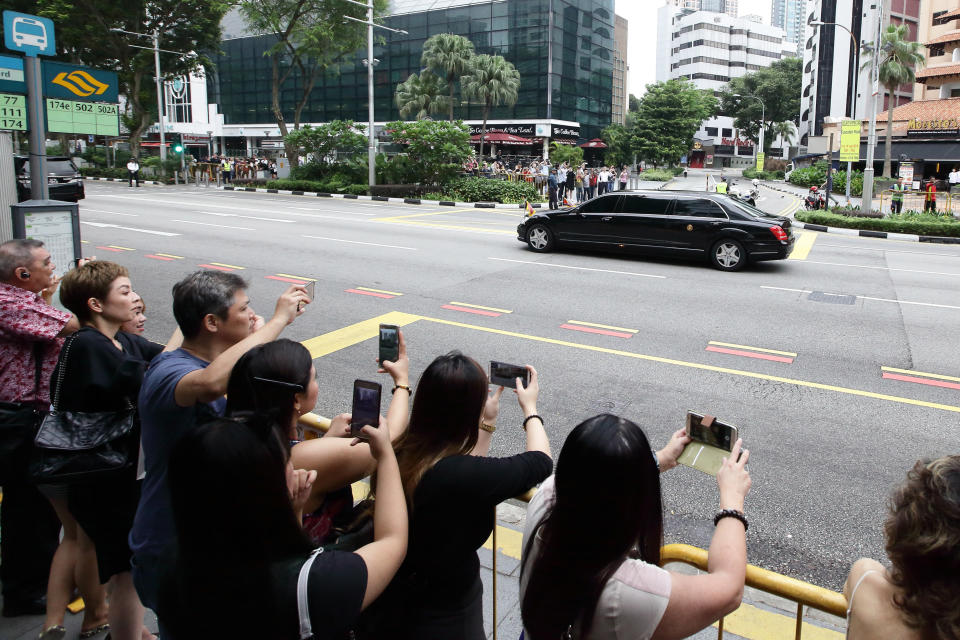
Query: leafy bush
x,y
352,171
104,172
439,148
399,169
331,186
762,175
486,190
908,222
398,190
657,175
808,176
840,182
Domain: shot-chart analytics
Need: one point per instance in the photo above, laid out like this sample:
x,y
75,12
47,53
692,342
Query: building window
x,y
712,132
727,133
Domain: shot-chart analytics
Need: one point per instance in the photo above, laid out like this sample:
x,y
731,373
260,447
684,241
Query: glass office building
x,y
576,88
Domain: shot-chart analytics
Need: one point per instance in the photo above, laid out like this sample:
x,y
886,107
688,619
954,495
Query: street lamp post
x,y
872,131
763,113
853,92
155,37
371,61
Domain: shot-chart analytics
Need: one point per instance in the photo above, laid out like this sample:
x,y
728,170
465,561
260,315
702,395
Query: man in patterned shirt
x,y
30,527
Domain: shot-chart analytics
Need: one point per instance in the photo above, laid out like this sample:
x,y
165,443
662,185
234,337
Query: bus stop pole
x,y
38,144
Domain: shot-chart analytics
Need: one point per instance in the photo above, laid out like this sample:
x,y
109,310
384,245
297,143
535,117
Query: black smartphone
x,y
389,343
506,375
366,406
719,434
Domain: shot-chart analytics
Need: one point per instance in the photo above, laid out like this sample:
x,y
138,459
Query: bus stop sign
x,y
30,35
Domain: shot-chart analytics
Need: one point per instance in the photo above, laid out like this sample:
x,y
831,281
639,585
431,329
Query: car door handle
x,y
607,219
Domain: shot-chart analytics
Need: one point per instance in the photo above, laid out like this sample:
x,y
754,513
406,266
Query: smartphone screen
x,y
311,290
719,434
366,406
506,375
389,343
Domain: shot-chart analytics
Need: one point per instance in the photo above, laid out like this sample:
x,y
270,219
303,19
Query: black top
x,y
100,377
454,509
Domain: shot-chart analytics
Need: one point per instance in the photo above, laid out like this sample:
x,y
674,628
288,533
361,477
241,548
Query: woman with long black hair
x,y
452,489
589,567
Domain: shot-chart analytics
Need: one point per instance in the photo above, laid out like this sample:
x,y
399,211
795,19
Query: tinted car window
x,y
652,205
57,167
699,207
605,204
743,210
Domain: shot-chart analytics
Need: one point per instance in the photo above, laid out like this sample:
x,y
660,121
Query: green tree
x,y
310,36
448,56
84,36
440,148
634,103
897,59
420,95
620,144
493,81
670,113
777,86
560,153
323,141
786,130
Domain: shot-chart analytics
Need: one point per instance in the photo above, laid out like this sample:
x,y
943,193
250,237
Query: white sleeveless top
x,y
633,600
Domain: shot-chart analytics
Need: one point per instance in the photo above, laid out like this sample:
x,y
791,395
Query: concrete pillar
x,y
249,146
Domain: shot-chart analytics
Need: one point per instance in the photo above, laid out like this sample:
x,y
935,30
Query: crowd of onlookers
x,y
232,168
233,525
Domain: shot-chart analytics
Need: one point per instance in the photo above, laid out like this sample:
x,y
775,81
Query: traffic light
x,y
178,145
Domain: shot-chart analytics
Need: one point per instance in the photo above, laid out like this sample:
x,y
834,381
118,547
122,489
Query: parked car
x,y
63,179
725,230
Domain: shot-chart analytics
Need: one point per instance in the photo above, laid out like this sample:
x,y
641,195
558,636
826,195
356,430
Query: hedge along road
x,y
854,306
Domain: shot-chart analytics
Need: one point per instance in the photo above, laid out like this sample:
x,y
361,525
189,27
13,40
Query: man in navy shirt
x,y
552,186
185,386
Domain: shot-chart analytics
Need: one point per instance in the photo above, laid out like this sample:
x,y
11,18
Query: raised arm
x,y
698,601
527,396
398,415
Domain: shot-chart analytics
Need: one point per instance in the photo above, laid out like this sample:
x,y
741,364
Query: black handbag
x,y
76,446
18,427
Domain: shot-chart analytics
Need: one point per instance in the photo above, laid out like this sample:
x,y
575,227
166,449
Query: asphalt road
x,y
829,435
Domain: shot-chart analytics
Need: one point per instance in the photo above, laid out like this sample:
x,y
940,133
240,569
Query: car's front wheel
x,y
540,238
728,255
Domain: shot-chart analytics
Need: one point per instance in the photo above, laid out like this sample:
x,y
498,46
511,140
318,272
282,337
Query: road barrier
x,y
804,594
917,201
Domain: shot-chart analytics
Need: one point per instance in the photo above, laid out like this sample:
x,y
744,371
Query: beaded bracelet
x,y
731,513
530,417
402,386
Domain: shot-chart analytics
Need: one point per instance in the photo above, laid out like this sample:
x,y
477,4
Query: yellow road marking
x,y
601,326
703,367
392,293
113,246
921,373
287,275
355,333
477,306
759,624
415,215
509,542
803,245
743,346
170,255
229,266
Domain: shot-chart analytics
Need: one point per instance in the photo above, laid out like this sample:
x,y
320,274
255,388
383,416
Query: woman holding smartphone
x,y
576,584
279,378
452,490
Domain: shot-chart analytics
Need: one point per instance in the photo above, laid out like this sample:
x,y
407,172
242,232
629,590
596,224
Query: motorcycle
x,y
814,200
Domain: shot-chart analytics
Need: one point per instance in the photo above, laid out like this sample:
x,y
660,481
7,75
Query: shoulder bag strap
x,y
55,396
303,602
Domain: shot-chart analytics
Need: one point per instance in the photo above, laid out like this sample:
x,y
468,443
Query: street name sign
x,y
850,140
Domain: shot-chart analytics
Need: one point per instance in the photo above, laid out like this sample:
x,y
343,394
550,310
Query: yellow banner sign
x,y
850,140
760,158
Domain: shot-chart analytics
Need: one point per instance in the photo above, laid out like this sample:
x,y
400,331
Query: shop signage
x,y
850,140
697,145
946,127
572,132
736,142
525,130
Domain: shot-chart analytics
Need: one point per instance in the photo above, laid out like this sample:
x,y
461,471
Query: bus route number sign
x,y
13,112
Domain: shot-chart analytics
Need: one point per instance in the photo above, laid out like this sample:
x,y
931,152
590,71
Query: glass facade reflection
x,y
515,29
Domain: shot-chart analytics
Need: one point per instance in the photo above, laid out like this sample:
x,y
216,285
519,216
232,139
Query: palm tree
x,y
449,57
493,82
785,130
897,60
421,94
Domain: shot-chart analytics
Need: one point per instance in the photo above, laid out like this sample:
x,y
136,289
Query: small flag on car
x,y
567,203
529,209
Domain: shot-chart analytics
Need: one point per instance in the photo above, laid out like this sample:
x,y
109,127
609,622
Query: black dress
x,y
437,592
100,377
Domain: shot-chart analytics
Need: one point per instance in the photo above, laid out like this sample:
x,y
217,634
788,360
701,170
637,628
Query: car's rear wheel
x,y
540,238
728,255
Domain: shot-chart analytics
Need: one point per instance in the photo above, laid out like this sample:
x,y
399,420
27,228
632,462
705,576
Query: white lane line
x,y
207,224
117,226
920,304
113,213
864,266
237,215
208,205
316,210
372,244
566,266
919,253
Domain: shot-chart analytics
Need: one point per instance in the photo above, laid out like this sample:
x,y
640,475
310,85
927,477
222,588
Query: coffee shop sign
x,y
944,126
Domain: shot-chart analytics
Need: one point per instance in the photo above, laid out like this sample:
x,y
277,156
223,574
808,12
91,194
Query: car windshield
x,y
749,210
60,167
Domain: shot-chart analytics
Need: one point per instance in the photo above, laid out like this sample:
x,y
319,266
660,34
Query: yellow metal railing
x,y
917,200
804,594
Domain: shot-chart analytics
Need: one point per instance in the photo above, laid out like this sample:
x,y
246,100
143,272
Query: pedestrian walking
x,y
931,198
133,171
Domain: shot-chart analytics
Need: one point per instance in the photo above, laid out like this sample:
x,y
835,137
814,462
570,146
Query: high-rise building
x,y
620,70
788,15
710,49
830,60
566,69
940,33
728,7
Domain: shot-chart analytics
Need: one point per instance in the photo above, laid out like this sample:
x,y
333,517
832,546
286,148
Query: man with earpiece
x,y
31,334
